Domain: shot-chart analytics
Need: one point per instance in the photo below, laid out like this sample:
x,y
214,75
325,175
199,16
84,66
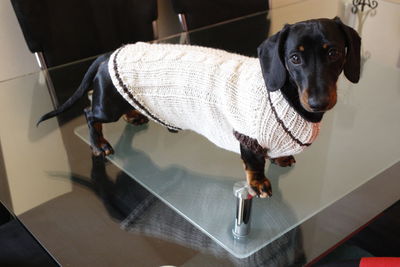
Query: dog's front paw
x,y
135,117
287,161
262,187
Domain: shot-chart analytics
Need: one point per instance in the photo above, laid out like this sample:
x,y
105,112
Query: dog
x,y
263,108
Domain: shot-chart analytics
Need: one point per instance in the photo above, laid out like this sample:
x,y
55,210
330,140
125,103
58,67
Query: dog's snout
x,y
318,104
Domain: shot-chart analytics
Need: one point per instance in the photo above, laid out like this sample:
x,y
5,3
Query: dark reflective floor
x,y
380,238
18,246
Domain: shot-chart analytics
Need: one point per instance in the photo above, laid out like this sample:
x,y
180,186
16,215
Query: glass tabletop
x,y
196,178
45,170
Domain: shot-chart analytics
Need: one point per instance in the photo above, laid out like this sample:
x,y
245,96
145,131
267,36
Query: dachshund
x,y
263,108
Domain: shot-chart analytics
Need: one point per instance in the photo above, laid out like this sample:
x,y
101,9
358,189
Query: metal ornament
x,y
357,3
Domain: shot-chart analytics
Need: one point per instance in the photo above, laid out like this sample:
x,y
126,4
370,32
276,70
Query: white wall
x,y
31,154
16,59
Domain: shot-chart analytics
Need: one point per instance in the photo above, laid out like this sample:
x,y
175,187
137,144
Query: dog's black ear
x,y
271,56
353,53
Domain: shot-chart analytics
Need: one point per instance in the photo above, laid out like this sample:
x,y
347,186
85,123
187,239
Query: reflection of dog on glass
x,y
268,107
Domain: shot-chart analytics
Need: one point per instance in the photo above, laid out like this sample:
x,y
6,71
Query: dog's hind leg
x,y
98,143
107,106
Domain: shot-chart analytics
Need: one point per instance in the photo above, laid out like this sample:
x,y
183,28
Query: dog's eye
x,y
333,54
295,59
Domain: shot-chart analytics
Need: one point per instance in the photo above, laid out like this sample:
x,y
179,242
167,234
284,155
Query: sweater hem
x,y
251,144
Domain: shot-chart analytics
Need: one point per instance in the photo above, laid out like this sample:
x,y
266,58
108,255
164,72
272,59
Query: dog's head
x,y
312,54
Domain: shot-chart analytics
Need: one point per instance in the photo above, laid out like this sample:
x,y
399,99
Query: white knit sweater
x,y
211,92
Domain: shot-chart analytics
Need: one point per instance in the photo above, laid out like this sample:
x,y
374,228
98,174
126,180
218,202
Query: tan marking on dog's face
x,y
325,46
332,96
301,48
304,99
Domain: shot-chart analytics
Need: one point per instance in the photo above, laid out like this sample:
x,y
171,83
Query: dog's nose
x,y
318,104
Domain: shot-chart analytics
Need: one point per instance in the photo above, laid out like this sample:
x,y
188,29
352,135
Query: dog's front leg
x,y
135,117
254,165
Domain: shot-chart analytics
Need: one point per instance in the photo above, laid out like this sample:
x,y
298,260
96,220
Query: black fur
x,y
271,56
353,56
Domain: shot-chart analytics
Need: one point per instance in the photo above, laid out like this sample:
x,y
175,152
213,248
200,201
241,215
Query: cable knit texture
x,y
211,92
